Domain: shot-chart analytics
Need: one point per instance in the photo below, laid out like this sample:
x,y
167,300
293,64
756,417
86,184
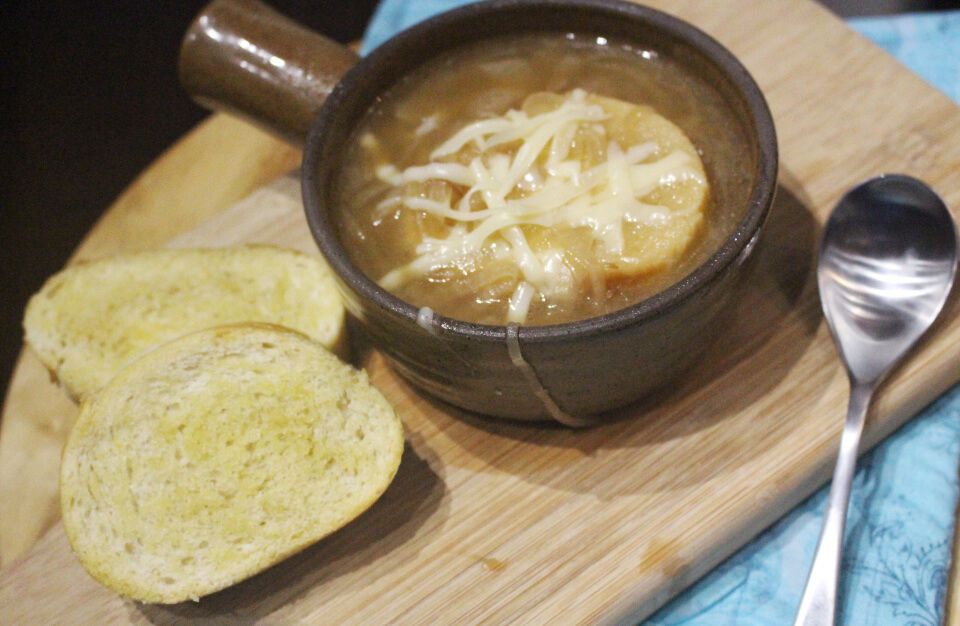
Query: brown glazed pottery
x,y
243,57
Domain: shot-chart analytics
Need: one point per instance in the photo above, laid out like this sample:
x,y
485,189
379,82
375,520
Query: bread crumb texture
x,y
90,319
219,454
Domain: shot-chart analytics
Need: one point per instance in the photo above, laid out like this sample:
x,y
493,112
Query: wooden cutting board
x,y
489,521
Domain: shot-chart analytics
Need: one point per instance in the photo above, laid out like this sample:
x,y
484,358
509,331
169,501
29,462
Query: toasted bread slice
x,y
92,318
219,454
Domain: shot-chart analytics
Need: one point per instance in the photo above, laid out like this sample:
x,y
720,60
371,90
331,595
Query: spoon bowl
x,y
888,257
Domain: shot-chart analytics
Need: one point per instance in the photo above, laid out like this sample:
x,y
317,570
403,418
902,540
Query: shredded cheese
x,y
523,176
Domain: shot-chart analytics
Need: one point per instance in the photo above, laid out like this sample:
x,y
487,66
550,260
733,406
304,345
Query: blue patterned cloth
x,y
900,522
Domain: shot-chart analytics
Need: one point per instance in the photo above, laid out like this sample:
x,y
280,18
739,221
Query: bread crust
x,y
92,318
218,454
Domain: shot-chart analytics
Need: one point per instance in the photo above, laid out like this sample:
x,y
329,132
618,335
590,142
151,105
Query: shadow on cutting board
x,y
766,340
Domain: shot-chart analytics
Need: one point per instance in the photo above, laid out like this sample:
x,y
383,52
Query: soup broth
x,y
538,180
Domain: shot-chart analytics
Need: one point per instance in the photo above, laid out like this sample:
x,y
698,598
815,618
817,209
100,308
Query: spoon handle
x,y
819,601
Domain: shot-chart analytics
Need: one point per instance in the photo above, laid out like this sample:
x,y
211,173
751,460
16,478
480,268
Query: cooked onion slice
x,y
616,173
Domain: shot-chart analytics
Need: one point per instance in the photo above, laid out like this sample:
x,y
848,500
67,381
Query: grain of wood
x,y
495,522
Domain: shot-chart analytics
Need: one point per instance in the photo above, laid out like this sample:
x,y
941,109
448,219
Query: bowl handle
x,y
243,57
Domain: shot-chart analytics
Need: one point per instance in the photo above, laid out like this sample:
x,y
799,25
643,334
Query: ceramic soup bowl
x,y
243,57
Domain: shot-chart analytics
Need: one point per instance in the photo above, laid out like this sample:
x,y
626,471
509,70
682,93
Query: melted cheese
x,y
522,175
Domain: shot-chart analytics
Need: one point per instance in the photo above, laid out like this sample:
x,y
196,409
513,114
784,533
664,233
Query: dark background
x,y
90,98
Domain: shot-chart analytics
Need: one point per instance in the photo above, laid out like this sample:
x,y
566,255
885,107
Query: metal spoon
x,y
887,262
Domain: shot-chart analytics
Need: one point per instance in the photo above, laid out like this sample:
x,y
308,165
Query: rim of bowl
x,y
418,37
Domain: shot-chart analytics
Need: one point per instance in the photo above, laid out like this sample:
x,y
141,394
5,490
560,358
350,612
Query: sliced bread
x,y
219,454
92,318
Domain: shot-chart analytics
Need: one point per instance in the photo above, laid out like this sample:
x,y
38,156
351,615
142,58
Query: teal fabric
x,y
902,511
927,43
